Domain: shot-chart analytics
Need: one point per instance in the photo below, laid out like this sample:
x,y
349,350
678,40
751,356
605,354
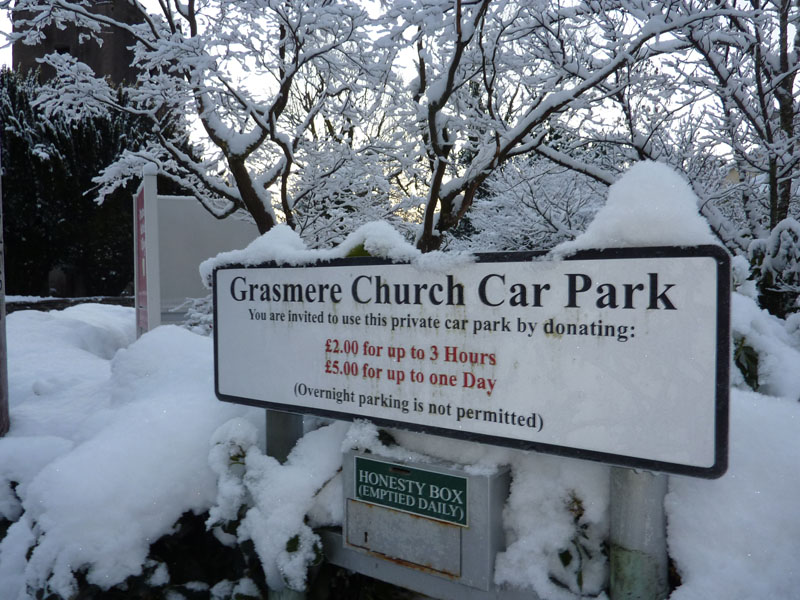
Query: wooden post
x,y
638,553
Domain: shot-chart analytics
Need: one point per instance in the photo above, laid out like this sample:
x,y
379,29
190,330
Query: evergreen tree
x,y
52,220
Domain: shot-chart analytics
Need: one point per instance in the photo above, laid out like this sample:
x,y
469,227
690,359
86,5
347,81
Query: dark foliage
x,y
52,222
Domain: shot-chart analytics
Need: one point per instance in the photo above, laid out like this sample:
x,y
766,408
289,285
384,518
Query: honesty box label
x,y
421,492
619,355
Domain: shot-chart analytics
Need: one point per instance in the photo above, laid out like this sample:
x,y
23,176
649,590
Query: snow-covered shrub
x,y
264,503
199,314
561,553
766,350
582,565
776,261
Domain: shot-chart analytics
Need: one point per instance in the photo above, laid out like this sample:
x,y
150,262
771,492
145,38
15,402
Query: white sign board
x,y
188,235
620,356
172,236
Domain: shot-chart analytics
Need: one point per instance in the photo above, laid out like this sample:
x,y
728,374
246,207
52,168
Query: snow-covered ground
x,y
113,439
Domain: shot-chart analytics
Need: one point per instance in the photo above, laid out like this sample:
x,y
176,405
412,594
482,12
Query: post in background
x,y
4,417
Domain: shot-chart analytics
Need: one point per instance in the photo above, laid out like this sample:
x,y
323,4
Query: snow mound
x,y
736,537
98,493
650,205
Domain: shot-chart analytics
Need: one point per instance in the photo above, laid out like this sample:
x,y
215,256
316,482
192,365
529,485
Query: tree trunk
x,y
264,221
786,112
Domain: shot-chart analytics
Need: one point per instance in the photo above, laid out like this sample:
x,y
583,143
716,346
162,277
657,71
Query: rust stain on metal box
x,y
407,539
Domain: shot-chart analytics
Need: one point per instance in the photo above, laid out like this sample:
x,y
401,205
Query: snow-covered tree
x,y
529,203
716,98
316,114
747,57
493,78
303,119
649,113
744,63
52,220
255,78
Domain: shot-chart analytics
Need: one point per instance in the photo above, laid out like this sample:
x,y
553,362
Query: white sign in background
x,y
616,359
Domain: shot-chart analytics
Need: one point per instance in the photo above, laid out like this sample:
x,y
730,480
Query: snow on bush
x,y
276,497
570,501
775,344
121,448
282,496
777,266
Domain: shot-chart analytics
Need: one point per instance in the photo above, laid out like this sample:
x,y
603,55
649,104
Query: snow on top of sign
x,y
473,457
284,246
650,205
378,239
281,244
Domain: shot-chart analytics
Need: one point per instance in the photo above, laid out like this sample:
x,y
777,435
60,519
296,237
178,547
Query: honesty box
x,y
409,489
619,355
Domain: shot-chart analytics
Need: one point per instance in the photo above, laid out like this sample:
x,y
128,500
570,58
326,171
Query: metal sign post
x,y
283,431
638,538
4,417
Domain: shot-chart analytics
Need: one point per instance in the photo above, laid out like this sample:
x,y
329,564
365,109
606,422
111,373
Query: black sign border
x,y
723,349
